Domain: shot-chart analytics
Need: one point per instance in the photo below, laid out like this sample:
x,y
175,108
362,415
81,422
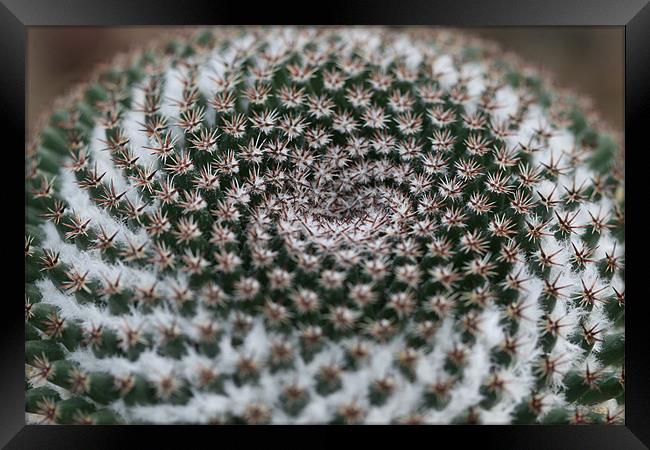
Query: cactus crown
x,y
320,226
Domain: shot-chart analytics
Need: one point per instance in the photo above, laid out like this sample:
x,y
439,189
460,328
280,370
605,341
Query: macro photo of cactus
x,y
323,225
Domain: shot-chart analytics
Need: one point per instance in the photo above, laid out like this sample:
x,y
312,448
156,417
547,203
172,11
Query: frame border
x,y
633,15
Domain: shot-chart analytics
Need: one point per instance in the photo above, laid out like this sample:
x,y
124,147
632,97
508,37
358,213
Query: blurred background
x,y
589,60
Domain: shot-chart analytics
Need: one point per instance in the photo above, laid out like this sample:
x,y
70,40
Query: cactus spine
x,y
323,226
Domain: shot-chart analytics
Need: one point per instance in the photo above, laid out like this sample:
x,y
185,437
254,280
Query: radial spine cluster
x,y
353,225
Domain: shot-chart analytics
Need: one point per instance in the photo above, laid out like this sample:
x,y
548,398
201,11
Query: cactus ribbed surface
x,y
352,225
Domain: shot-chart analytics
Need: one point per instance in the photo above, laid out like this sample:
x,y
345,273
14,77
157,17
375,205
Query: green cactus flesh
x,y
323,226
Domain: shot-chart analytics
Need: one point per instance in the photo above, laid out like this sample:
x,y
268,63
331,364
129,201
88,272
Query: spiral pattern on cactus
x,y
354,225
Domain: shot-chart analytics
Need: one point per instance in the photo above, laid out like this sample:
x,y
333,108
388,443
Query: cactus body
x,y
323,226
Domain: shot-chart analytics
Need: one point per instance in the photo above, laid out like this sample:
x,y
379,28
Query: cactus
x,y
350,225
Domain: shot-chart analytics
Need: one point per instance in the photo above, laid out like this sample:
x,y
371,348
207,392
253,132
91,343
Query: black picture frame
x,y
633,15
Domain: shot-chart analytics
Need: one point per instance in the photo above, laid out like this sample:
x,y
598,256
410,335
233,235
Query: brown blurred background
x,y
589,60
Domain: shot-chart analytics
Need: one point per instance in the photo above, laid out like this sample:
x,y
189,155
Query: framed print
x,y
384,217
